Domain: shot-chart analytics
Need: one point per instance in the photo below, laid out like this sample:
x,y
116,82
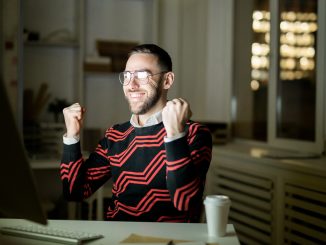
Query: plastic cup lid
x,y
217,199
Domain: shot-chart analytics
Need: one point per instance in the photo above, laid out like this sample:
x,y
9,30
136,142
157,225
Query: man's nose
x,y
133,82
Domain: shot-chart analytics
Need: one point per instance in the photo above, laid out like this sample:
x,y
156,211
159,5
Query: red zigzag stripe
x,y
72,169
115,135
183,194
145,204
143,178
67,170
119,159
96,173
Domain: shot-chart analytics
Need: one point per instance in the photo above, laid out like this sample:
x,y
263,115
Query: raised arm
x,y
188,157
81,178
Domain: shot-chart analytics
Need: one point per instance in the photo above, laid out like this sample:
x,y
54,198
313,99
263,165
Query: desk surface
x,y
115,232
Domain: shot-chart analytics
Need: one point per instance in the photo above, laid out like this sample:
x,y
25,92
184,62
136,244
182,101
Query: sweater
x,y
152,180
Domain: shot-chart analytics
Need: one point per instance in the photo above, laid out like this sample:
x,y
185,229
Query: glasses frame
x,y
141,81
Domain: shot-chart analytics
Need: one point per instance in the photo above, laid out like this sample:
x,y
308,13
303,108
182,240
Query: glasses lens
x,y
141,75
124,77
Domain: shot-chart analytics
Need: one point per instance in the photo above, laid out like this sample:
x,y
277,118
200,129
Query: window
x,y
278,79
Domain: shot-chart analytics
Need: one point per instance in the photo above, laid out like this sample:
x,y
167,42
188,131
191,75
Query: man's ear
x,y
169,79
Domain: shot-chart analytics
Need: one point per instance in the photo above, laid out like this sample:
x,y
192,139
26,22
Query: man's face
x,y
144,98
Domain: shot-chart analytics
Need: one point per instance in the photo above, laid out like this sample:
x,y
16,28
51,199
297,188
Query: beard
x,y
149,102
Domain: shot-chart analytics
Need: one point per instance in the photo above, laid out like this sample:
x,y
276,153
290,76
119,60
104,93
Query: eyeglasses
x,y
141,76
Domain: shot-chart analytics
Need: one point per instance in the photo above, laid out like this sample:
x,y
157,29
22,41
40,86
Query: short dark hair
x,y
164,59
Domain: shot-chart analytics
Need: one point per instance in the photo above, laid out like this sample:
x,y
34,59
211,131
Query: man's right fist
x,y
73,116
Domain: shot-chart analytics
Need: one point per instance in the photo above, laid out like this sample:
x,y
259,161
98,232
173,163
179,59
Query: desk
x,y
114,231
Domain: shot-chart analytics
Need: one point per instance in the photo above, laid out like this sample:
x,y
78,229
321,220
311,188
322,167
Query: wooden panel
x,y
290,238
304,215
263,215
303,191
244,198
252,221
306,205
306,231
251,208
247,240
252,191
245,177
251,233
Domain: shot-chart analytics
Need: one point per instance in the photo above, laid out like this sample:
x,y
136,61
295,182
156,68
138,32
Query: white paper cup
x,y
217,211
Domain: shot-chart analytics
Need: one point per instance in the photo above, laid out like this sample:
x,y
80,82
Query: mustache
x,y
136,91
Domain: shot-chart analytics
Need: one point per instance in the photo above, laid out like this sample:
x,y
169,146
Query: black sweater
x,y
152,180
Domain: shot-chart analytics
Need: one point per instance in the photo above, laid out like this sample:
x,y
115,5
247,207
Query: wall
x,y
219,67
110,20
55,65
199,36
242,68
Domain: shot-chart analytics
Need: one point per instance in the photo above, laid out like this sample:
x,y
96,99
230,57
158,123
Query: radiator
x,y
273,201
304,215
252,203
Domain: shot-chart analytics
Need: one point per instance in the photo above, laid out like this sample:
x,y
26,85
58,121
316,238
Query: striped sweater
x,y
152,180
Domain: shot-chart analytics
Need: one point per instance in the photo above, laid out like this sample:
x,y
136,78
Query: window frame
x,y
317,146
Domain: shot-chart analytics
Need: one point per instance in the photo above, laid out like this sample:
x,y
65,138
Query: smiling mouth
x,y
136,95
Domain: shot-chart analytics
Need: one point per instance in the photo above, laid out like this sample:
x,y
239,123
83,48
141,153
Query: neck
x,y
143,118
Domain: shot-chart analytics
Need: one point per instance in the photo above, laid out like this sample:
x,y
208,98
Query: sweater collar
x,y
154,119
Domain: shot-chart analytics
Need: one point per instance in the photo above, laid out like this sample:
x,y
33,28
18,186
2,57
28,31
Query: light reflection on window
x,y
297,41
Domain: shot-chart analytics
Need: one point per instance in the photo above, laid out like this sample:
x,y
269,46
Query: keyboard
x,y
49,234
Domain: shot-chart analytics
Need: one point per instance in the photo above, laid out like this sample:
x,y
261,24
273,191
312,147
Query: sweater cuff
x,y
72,152
177,149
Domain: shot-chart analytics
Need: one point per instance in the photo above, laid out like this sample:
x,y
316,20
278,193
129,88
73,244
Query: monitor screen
x,y
19,197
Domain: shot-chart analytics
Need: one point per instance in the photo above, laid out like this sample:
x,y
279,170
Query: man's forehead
x,y
139,61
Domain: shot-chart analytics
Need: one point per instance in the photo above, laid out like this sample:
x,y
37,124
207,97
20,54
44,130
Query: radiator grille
x,y
252,203
305,215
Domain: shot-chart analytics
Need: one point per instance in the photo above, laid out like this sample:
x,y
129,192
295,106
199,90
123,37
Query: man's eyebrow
x,y
144,70
140,70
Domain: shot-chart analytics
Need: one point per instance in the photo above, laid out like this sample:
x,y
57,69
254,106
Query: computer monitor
x,y
19,197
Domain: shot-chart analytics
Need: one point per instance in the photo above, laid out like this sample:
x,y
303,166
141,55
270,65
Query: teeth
x,y
136,95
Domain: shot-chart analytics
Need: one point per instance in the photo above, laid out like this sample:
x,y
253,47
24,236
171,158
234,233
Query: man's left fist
x,y
175,115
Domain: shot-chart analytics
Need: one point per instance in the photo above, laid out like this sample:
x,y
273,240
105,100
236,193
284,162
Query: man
x,y
158,160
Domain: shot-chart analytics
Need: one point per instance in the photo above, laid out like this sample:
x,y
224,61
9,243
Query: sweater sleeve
x,y
81,178
188,160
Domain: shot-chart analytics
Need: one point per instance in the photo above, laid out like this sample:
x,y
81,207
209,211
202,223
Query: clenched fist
x,y
73,116
175,115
